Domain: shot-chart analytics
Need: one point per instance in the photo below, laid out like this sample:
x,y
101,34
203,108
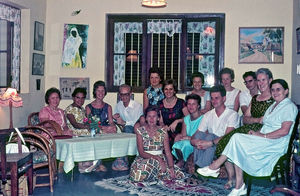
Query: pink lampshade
x,y
12,96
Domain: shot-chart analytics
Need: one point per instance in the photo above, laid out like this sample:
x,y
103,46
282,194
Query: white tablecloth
x,y
92,148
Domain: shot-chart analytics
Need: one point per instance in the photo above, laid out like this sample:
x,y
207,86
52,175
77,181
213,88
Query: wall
x,y
31,11
296,57
239,13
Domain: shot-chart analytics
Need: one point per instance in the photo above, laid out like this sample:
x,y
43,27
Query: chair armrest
x,y
50,124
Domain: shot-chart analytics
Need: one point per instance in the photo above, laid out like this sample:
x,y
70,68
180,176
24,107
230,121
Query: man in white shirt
x,y
127,111
252,89
214,125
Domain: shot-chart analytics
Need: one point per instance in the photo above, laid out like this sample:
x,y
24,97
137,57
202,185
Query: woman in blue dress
x,y
182,148
256,153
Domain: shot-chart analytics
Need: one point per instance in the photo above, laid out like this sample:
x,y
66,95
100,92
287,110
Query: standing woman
x,y
172,109
154,161
154,93
232,94
53,112
182,148
103,111
198,82
256,153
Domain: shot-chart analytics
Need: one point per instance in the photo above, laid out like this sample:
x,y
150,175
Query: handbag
x,y
13,147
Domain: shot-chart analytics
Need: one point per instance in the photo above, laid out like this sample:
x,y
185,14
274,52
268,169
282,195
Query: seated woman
x,y
253,116
103,111
154,161
182,148
256,153
232,94
198,82
172,110
53,112
75,113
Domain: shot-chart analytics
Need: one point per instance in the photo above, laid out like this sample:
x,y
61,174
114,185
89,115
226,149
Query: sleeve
x,y
289,112
207,96
116,110
203,126
244,101
234,120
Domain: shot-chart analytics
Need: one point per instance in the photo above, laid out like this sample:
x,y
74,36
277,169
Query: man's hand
x,y
202,144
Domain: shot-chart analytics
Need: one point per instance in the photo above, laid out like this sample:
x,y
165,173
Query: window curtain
x,y
207,41
121,28
14,15
166,26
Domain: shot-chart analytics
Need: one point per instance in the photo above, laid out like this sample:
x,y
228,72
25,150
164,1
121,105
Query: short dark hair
x,y
49,92
152,108
79,90
195,97
96,85
198,75
265,71
249,73
155,70
229,71
282,82
172,82
218,88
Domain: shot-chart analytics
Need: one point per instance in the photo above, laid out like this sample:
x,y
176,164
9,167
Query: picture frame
x,y
262,45
38,36
298,39
38,64
67,86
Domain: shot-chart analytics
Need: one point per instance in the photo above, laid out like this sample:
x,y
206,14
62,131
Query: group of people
x,y
204,130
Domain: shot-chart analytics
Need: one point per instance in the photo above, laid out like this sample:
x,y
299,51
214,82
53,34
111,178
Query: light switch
x,y
298,69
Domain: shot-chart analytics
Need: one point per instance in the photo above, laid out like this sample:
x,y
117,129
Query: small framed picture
x,y
68,85
38,64
298,39
38,36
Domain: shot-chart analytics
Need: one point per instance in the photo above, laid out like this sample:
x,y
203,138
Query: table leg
x,y
14,180
30,178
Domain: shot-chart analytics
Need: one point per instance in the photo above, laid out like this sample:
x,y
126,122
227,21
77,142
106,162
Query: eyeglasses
x,y
248,82
124,94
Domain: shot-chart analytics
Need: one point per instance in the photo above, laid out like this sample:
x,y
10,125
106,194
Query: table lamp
x,y
12,99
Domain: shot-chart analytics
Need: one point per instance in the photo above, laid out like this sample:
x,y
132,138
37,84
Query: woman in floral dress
x,y
154,161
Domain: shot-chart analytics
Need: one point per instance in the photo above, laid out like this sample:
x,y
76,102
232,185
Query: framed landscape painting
x,y
261,45
38,64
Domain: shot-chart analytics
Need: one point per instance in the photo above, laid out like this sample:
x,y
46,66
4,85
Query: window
x,y
10,30
178,44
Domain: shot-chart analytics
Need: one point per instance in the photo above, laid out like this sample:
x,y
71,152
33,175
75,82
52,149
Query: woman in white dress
x,y
271,142
198,82
232,94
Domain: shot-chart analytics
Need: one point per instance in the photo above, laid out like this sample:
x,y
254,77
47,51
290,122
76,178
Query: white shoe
x,y
238,192
205,171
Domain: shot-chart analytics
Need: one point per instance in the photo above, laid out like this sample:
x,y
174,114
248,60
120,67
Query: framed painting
x,y
74,52
261,45
298,39
38,64
67,86
38,36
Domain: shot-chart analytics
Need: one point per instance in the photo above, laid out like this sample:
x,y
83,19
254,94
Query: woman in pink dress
x,y
53,112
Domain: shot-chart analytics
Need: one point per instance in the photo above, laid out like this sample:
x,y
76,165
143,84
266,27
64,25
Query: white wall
x,y
239,13
31,11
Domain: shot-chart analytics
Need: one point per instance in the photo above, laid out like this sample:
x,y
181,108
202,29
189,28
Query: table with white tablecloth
x,y
102,146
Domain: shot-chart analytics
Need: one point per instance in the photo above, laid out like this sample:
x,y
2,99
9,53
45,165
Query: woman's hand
x,y
163,166
178,138
251,132
173,126
109,129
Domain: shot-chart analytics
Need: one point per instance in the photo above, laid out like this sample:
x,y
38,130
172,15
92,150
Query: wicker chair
x,y
44,156
50,125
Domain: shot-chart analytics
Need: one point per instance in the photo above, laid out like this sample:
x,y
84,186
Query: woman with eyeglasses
x,y
253,117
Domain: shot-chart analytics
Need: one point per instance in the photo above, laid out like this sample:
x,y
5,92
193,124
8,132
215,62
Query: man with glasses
x,y
127,113
252,89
